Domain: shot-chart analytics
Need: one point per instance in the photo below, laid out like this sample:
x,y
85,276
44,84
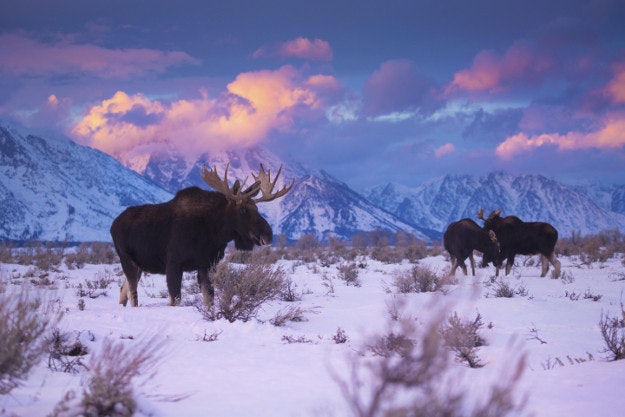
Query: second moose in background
x,y
517,237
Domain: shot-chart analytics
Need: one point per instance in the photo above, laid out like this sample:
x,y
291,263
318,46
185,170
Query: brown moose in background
x,y
463,237
517,237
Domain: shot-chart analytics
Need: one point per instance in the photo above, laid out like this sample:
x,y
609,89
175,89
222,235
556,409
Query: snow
x,y
250,370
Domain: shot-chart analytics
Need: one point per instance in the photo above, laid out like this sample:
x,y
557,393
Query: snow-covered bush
x,y
411,374
348,272
613,333
91,253
110,388
462,338
240,292
22,333
417,279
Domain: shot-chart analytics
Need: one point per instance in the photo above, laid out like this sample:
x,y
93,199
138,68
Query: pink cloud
x,y
24,56
446,149
611,135
492,72
129,127
615,90
304,48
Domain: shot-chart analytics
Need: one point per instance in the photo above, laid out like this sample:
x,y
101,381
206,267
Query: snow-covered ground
x,y
251,369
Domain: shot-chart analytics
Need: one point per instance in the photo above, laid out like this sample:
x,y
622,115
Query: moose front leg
x,y
472,263
509,264
208,292
544,264
174,283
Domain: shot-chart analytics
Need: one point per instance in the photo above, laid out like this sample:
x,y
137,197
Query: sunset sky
x,y
370,91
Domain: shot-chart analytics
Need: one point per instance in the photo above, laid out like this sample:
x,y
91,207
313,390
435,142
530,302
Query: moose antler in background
x,y
266,185
480,214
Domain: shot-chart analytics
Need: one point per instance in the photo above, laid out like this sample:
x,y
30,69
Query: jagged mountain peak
x,y
533,197
318,204
54,189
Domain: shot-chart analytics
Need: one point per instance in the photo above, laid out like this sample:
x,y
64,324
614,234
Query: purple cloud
x,y
397,86
22,55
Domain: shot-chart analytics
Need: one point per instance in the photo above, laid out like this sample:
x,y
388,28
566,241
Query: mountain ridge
x,y
533,197
54,189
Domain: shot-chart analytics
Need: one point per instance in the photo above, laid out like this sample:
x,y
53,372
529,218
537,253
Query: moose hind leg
x,y
129,287
454,265
463,266
208,292
556,264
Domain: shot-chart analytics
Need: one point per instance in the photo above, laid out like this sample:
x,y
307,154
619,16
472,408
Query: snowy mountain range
x,y
54,189
436,203
318,204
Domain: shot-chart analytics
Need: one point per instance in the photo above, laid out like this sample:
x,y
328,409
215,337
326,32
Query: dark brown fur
x,y
463,237
189,232
524,238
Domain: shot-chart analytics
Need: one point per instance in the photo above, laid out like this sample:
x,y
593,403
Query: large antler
x,y
235,193
266,185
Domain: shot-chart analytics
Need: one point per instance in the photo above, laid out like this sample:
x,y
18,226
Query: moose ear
x,y
236,187
492,235
253,189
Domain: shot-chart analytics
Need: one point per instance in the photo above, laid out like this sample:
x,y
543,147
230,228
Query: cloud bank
x,y
22,55
130,127
303,48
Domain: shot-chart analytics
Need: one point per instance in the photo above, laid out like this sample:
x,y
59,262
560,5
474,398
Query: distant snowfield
x,y
250,370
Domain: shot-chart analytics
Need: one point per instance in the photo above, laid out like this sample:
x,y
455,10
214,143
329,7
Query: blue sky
x,y
371,92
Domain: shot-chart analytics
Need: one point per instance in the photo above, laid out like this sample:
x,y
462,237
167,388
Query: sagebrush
x,y
23,333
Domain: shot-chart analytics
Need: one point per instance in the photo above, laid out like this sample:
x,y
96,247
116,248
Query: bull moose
x,y
463,237
517,237
191,232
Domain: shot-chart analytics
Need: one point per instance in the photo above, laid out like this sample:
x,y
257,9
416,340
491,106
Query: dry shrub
x,y
348,272
109,391
241,291
91,253
410,374
501,288
289,313
6,252
592,248
388,255
613,333
65,355
305,249
462,338
264,255
25,317
417,279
